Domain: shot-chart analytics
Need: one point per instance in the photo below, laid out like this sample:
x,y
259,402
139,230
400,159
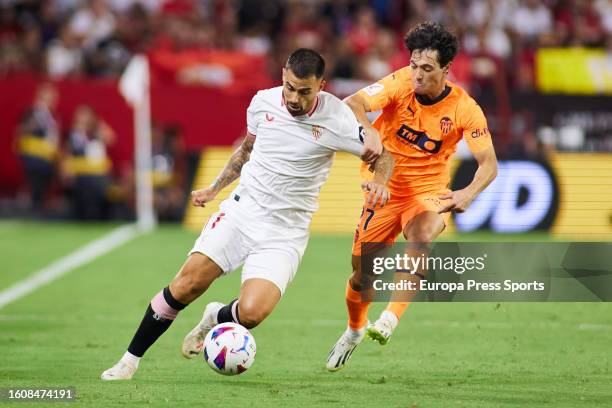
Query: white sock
x,y
389,315
130,359
355,334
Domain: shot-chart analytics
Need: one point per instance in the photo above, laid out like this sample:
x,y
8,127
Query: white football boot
x,y
194,340
120,371
343,349
383,328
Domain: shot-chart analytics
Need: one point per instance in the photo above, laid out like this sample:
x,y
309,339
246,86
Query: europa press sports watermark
x,y
451,271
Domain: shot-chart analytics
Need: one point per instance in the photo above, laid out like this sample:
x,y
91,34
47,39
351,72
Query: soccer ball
x,y
229,349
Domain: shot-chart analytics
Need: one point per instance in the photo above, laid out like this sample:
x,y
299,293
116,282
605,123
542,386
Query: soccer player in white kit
x,y
293,132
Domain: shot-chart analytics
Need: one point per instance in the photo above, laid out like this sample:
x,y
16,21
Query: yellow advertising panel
x,y
582,207
578,71
585,203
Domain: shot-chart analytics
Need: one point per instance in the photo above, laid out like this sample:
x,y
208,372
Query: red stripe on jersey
x,y
314,106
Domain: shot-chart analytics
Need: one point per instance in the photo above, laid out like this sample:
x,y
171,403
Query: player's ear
x,y
284,70
322,85
447,68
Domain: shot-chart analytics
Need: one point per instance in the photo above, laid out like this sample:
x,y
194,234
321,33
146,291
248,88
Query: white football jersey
x,y
292,156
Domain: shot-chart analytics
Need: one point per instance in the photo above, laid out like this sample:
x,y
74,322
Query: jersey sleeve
x,y
253,115
350,138
382,93
475,129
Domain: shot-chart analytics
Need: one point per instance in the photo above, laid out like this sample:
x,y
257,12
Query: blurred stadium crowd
x,y
361,39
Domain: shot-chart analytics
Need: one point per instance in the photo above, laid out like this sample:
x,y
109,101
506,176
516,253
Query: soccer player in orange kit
x,y
423,118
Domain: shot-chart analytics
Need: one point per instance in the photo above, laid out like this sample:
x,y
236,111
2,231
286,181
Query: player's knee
x,y
356,264
355,280
420,235
361,280
250,315
185,289
191,282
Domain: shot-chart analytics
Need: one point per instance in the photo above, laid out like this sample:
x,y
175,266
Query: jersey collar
x,y
423,100
314,107
310,112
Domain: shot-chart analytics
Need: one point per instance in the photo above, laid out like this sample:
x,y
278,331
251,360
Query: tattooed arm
x,y
383,168
377,188
230,172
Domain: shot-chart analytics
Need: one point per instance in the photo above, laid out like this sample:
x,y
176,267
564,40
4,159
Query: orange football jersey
x,y
423,134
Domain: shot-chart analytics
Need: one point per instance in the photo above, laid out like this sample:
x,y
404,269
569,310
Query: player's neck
x,y
434,97
436,93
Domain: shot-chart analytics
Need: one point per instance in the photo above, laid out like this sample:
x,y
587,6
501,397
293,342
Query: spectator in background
x,y
531,20
302,26
64,56
342,60
38,142
496,12
489,39
123,6
383,58
31,42
86,170
93,23
578,24
108,59
364,32
488,31
604,8
168,173
12,57
450,13
135,28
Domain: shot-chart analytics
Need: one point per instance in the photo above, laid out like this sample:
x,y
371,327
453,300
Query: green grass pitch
x,y
442,355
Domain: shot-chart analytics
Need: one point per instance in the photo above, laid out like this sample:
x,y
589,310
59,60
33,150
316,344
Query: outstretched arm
x,y
377,188
230,172
372,144
460,200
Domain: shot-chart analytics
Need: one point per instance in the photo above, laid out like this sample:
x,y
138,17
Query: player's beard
x,y
297,112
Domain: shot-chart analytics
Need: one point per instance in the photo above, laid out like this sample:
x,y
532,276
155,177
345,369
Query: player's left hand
x,y
376,192
199,198
460,200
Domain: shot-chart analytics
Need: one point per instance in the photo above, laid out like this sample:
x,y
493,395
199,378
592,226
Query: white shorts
x,y
242,233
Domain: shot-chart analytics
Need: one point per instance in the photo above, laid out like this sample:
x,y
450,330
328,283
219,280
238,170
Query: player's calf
x,y
160,314
194,278
249,315
258,298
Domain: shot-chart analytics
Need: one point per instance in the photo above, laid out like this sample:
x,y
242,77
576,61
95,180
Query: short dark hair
x,y
305,63
433,36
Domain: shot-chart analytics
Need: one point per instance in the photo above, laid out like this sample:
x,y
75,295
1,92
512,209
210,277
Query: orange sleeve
x,y
474,124
382,93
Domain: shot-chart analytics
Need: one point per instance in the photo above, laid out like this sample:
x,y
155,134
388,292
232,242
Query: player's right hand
x,y
372,146
376,193
199,198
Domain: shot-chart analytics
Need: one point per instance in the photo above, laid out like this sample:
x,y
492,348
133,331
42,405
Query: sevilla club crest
x,y
317,131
